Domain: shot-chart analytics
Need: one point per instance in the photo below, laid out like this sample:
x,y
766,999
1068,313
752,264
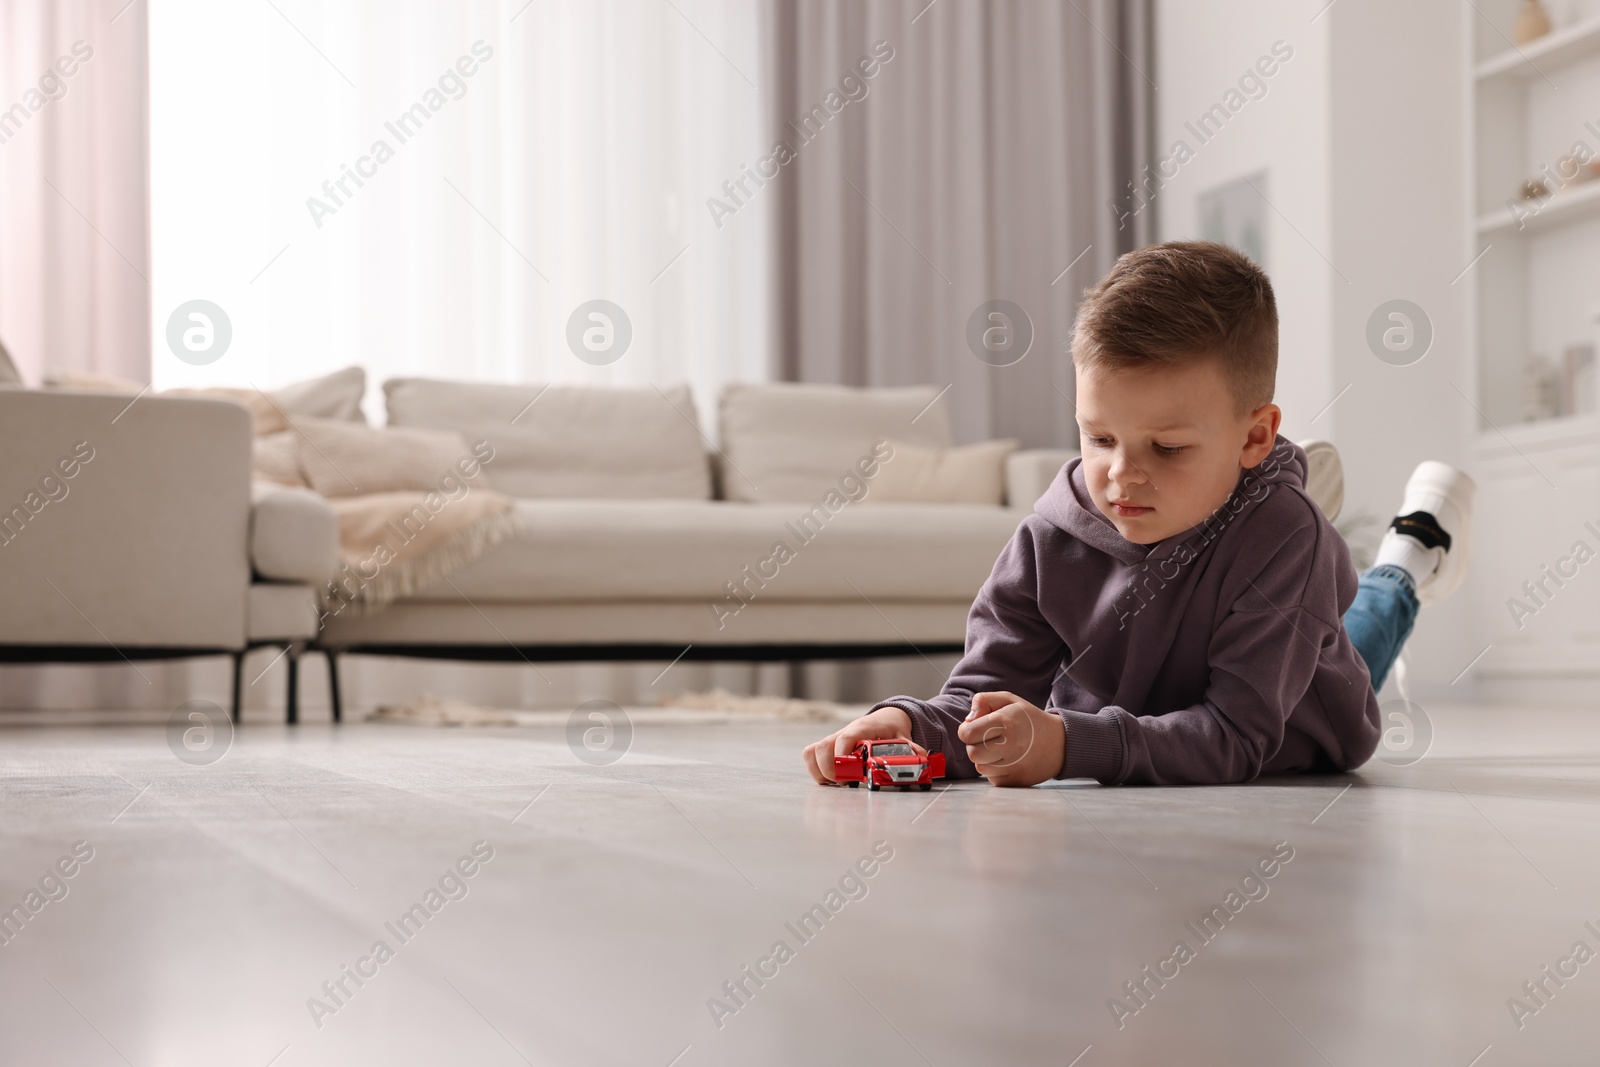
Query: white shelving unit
x,y
1536,59
1536,290
1563,209
1535,284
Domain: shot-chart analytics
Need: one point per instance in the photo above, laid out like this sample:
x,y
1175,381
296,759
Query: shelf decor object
x,y
1532,22
1541,389
1578,380
1544,57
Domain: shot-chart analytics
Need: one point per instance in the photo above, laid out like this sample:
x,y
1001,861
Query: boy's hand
x,y
1011,742
885,724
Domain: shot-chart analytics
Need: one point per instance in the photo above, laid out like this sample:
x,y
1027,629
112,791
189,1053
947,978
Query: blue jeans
x,y
1380,618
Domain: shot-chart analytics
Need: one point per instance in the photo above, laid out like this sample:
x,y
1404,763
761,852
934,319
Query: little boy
x,y
1179,609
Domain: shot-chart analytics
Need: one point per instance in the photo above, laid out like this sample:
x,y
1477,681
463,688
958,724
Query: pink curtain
x,y
75,187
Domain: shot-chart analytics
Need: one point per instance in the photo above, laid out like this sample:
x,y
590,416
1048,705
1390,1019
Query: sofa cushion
x,y
568,441
788,441
275,457
9,375
294,535
332,396
1030,471
972,474
266,416
341,459
586,550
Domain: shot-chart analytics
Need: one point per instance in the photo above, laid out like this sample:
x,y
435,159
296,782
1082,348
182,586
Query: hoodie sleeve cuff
x,y
1094,746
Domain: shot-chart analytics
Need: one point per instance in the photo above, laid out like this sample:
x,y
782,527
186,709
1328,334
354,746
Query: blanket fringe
x,y
400,579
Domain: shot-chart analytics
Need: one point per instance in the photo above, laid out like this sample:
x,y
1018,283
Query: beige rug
x,y
718,705
785,708
429,710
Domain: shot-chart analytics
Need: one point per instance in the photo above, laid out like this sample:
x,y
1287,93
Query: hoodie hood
x,y
1068,506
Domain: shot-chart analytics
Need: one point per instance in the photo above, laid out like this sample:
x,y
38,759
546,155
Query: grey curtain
x,y
993,150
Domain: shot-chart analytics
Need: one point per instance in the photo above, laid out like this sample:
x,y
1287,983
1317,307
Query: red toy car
x,y
881,763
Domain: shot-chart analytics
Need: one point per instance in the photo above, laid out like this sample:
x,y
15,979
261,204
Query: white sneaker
x,y
1324,476
1437,516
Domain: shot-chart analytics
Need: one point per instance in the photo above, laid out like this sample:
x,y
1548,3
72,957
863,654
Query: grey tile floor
x,y
620,899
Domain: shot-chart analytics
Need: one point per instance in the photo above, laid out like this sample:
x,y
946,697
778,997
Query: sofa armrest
x,y
1030,471
123,524
294,534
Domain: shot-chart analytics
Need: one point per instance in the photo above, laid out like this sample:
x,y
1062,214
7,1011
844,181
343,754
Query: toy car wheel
x,y
852,785
925,786
872,783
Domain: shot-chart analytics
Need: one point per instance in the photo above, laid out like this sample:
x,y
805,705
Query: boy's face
x,y
1163,448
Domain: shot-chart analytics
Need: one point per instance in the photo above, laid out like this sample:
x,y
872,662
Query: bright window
x,y
432,189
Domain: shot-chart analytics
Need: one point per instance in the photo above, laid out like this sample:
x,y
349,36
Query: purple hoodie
x,y
1214,656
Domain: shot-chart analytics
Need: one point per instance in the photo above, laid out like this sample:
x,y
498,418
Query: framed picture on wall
x,y
1235,214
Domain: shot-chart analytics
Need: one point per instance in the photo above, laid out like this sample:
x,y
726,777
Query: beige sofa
x,y
129,531
640,537
643,539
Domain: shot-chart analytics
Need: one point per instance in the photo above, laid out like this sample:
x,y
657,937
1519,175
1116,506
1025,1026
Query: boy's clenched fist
x,y
1011,742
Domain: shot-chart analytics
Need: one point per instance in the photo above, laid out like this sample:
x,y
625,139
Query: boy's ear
x,y
1263,425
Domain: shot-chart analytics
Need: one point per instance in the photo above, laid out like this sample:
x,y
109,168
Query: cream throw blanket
x,y
394,544
413,505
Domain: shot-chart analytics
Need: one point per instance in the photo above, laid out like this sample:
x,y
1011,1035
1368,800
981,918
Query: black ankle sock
x,y
1424,528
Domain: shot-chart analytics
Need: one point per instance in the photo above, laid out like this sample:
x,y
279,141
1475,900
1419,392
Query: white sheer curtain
x,y
572,164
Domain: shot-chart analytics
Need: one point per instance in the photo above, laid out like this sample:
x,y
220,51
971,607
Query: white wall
x,y
1400,178
1201,52
1363,138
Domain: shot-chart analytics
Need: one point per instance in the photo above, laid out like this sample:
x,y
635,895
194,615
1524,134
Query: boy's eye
x,y
1160,449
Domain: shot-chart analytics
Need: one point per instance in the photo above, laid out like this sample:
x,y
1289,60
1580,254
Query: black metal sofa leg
x,y
292,702
333,684
238,685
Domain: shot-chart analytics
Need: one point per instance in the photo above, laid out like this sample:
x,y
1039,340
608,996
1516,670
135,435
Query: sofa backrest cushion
x,y
786,441
333,396
568,441
971,474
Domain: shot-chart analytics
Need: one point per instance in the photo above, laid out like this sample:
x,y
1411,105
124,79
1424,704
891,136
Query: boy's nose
x,y
1124,471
